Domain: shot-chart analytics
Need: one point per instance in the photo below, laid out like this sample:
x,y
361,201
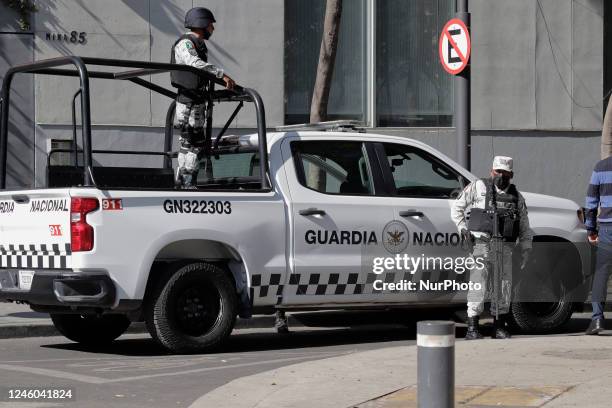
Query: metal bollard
x,y
436,364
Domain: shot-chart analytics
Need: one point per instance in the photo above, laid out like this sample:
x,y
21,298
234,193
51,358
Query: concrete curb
x,y
27,330
46,329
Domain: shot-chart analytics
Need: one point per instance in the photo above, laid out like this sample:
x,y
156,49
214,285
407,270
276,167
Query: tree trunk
x,y
327,59
325,71
606,132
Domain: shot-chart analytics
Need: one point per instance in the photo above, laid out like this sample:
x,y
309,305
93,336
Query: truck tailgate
x,y
35,229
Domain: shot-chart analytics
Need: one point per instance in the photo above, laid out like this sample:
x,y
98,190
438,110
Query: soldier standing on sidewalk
x,y
495,192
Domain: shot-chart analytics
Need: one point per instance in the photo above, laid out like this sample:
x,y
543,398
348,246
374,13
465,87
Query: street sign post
x,y
455,47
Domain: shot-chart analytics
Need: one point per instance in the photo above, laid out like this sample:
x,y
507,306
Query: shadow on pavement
x,y
318,338
356,318
29,315
254,342
332,329
578,325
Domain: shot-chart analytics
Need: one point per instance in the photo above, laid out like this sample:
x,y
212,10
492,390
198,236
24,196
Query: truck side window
x,y
417,173
333,167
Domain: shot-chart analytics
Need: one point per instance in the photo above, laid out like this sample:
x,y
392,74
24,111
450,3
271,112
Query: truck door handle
x,y
21,198
411,213
311,211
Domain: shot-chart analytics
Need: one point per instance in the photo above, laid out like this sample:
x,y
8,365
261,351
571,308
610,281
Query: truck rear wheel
x,y
91,329
194,310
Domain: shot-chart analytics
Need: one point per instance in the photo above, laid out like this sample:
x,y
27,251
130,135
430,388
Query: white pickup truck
x,y
101,247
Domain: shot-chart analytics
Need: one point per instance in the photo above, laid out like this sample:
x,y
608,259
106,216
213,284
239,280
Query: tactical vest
x,y
481,220
186,82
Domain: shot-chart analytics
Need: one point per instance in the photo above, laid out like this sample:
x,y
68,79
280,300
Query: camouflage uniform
x,y
190,114
473,196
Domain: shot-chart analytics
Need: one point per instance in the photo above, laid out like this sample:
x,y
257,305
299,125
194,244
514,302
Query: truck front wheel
x,y
91,330
546,290
194,310
542,317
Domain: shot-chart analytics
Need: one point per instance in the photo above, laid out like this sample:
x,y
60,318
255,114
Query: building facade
x,y
539,76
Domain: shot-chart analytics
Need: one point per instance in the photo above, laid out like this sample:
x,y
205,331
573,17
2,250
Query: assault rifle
x,y
496,249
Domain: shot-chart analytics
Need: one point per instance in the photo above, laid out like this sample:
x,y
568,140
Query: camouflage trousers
x,y
476,298
190,118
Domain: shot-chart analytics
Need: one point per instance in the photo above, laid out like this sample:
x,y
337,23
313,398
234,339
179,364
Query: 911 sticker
x,y
110,204
197,207
55,230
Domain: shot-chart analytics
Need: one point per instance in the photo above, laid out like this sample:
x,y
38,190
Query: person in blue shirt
x,y
599,200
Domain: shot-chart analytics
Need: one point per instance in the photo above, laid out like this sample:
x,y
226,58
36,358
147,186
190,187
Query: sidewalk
x,y
559,371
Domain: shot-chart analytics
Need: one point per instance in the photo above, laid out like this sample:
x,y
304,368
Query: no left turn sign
x,y
455,46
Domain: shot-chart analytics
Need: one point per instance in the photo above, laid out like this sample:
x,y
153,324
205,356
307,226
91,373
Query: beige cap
x,y
502,163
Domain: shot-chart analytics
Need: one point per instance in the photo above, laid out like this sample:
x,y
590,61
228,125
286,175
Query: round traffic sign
x,y
455,46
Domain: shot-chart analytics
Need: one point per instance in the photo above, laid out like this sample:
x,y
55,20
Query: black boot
x,y
473,330
595,327
500,328
280,322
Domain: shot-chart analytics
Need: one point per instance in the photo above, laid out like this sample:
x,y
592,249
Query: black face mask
x,y
207,34
501,181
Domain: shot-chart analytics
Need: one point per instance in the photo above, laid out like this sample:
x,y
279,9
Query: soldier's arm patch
x,y
190,48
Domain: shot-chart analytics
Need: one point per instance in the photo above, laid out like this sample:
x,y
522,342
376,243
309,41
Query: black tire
x,y
194,310
549,279
91,330
540,318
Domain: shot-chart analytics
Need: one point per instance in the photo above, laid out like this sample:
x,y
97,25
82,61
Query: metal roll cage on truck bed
x,y
141,68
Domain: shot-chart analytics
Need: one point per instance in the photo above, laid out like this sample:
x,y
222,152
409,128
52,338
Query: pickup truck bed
x,y
112,177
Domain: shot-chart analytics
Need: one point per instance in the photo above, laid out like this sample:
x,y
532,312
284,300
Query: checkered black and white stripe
x,y
319,284
37,256
326,284
266,287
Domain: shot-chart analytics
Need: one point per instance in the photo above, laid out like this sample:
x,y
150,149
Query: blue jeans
x,y
602,270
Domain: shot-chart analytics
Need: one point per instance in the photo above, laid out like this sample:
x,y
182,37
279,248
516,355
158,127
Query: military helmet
x,y
199,17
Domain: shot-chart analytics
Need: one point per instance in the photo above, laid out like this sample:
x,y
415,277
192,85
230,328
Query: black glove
x,y
525,255
467,240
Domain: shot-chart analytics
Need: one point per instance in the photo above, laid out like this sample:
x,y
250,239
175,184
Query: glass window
x,y
333,167
235,165
303,32
63,157
229,168
417,173
412,87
